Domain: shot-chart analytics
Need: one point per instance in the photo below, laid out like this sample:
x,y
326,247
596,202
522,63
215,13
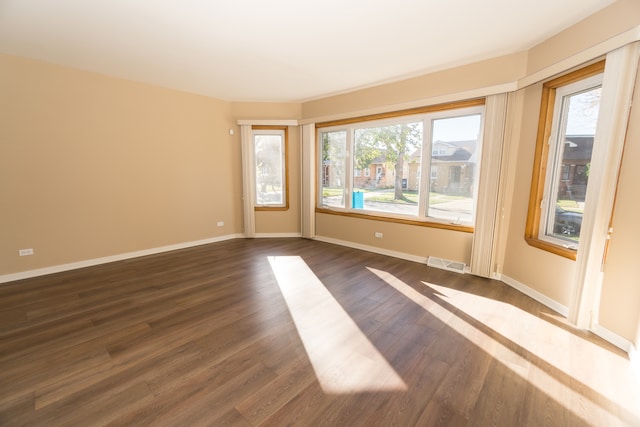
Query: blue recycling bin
x,y
357,200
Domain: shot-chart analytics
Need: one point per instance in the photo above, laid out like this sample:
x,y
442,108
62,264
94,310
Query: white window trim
x,y
283,178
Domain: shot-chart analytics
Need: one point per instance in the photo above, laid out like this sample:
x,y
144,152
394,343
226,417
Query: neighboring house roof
x,y
456,150
460,155
468,144
580,148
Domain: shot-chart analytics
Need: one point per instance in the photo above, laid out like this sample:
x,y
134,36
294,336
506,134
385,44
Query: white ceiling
x,y
278,50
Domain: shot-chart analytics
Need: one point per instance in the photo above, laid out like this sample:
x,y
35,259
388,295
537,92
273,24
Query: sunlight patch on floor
x,y
508,341
343,358
554,345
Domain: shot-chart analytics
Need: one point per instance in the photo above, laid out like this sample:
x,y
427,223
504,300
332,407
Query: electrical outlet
x,y
220,223
25,252
378,235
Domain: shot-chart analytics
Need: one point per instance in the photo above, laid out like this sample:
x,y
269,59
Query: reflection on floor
x,y
342,357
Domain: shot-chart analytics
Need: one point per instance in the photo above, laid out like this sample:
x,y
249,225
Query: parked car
x,y
567,223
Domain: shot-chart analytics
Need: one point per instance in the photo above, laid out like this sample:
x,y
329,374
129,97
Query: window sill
x,y
373,217
554,249
270,208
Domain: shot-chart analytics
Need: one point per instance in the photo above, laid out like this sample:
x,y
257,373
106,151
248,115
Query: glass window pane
x,y
390,158
455,156
333,173
573,160
270,176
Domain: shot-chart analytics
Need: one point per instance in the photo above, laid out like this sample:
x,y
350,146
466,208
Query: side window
x,y
270,153
567,128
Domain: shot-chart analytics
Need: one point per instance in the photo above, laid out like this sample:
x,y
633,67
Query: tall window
x,y
418,167
567,129
270,153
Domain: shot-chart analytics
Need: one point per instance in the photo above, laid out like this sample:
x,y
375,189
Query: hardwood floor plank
x,y
306,408
441,414
68,382
99,411
405,409
196,398
501,397
228,419
268,400
18,410
43,335
83,391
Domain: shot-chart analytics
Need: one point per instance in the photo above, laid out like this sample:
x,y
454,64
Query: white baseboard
x,y
103,260
598,330
541,298
395,254
613,338
624,344
277,235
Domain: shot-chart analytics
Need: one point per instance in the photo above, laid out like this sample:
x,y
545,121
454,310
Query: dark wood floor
x,y
226,334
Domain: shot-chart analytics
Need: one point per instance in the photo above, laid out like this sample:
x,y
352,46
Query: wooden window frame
x,y
285,129
541,158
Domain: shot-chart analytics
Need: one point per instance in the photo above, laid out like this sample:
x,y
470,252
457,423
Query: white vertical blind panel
x,y
248,181
487,209
308,180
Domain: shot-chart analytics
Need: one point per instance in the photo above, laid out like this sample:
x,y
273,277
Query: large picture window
x,y
568,119
416,167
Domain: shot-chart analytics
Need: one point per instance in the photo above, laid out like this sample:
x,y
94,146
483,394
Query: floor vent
x,y
445,264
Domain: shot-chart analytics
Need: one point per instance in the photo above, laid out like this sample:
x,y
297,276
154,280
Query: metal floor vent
x,y
445,264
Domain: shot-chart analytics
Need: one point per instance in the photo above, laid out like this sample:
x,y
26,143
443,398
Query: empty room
x,y
305,213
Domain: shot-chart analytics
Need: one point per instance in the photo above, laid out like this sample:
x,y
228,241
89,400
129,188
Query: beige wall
x,y
266,111
416,241
92,166
472,77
